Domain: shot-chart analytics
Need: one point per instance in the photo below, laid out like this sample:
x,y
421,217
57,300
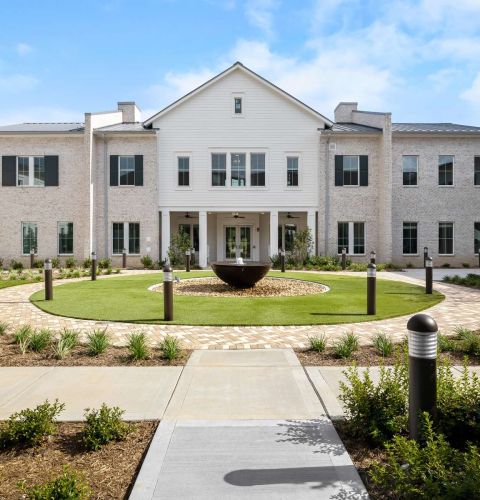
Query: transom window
x,y
219,169
238,169
410,245
183,171
31,171
65,238
126,170
286,236
351,235
292,171
476,174
257,169
29,237
476,237
351,169
410,170
126,235
445,170
237,103
445,238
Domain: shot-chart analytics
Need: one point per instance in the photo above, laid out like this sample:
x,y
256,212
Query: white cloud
x,y
260,14
17,83
473,93
23,49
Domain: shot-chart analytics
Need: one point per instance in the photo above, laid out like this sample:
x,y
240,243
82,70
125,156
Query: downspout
x,y
327,190
105,195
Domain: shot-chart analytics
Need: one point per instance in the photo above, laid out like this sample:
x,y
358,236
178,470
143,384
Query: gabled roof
x,y
64,127
435,128
238,66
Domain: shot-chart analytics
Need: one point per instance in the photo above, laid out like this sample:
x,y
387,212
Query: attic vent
x,y
332,146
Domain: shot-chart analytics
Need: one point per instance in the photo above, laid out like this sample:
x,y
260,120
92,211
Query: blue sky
x,y
419,59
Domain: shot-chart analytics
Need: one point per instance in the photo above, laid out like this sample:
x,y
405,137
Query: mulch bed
x,y
10,355
369,356
110,471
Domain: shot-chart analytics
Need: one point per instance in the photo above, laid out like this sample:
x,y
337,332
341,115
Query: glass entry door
x,y
238,242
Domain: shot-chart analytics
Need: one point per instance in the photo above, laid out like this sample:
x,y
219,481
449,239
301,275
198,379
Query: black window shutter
x,y
138,170
9,170
51,170
364,170
338,170
113,170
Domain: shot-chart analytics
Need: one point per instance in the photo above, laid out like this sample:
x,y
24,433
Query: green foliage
x,y
138,346
346,345
445,344
38,264
376,412
104,425
70,262
431,470
471,280
383,343
98,342
22,337
302,246
56,263
67,486
147,262
170,347
30,427
16,265
180,243
87,263
40,340
3,327
104,263
318,343
64,345
357,267
465,265
470,340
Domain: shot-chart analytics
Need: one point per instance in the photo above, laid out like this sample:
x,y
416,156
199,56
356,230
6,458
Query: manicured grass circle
x,y
128,299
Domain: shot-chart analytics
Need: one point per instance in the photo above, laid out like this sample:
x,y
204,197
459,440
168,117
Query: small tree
x,y
180,243
302,245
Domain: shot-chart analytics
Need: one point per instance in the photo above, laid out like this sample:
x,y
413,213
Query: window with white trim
x,y
445,238
29,237
257,169
410,170
238,169
351,235
183,171
292,171
410,237
126,170
65,238
219,169
445,170
237,105
30,171
126,235
351,170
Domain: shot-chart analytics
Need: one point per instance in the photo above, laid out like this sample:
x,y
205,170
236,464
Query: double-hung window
x,y
445,170
410,237
29,237
351,235
183,170
292,171
31,171
238,169
445,238
126,170
65,238
219,169
410,170
237,105
126,235
476,237
351,170
476,171
257,169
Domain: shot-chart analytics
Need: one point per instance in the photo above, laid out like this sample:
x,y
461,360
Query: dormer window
x,y
238,105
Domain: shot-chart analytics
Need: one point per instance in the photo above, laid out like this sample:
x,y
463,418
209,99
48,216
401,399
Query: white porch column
x,y
165,233
311,224
202,236
273,233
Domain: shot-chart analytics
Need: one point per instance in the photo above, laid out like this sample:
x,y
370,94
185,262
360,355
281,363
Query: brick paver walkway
x,y
460,308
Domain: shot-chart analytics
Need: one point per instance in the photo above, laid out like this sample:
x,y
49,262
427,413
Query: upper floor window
x,y
238,169
31,171
410,238
183,171
126,171
65,238
410,170
126,235
445,170
351,236
292,171
476,175
237,103
445,238
219,169
29,237
351,170
257,169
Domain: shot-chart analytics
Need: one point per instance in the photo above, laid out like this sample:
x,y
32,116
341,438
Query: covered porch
x,y
222,235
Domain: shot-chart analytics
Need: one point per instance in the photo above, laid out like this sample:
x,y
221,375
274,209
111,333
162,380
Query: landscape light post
x,y
94,266
48,279
425,255
422,370
344,259
32,257
373,257
282,260
124,258
188,253
167,293
429,275
371,289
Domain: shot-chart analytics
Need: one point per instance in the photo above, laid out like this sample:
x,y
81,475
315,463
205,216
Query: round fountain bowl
x,y
240,275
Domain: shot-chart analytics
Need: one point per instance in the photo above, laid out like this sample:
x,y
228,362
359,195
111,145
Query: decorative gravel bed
x,y
267,287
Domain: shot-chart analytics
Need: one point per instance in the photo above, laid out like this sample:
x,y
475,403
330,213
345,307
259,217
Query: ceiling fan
x,y
188,216
236,216
290,216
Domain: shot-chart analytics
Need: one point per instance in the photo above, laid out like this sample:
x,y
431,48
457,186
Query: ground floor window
x,y
29,237
126,235
65,238
410,238
351,235
192,230
477,237
445,238
286,236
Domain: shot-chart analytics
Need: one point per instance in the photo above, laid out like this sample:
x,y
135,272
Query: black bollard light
x,y
371,289
124,258
48,279
373,257
422,370
344,259
425,255
32,258
187,260
429,275
94,266
282,260
167,293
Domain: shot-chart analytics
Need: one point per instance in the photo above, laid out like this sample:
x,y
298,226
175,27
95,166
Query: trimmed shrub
x,y
56,263
445,344
137,345
104,263
170,347
104,425
318,343
70,263
87,263
470,340
16,265
40,340
38,264
383,343
357,267
98,342
68,485
346,345
147,262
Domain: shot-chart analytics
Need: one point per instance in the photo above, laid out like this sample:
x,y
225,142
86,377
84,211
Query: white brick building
x,y
241,165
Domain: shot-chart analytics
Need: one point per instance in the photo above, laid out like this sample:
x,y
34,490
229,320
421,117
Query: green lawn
x,y
127,299
7,283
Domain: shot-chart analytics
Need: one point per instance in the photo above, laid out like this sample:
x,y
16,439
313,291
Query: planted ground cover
x,y
128,299
471,280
